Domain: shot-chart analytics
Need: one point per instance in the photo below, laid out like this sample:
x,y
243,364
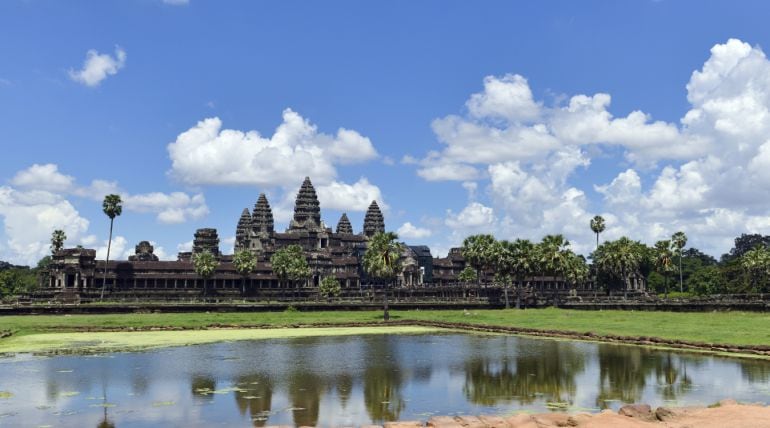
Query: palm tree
x,y
112,207
576,269
523,264
381,260
244,262
552,253
679,240
620,258
290,263
479,251
663,261
467,275
57,240
503,264
597,226
205,264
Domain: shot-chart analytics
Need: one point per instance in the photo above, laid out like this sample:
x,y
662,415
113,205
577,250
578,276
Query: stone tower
x,y
373,220
206,240
262,217
307,210
243,230
343,226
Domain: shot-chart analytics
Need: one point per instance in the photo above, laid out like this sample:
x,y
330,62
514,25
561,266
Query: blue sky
x,y
519,119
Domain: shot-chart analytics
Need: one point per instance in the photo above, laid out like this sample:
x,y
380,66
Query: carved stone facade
x,y
143,253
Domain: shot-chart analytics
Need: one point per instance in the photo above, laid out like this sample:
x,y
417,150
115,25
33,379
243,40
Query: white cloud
x,y
707,175
119,249
475,215
410,231
354,197
208,154
172,208
98,66
29,218
43,177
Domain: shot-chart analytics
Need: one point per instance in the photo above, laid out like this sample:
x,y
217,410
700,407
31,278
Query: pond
x,y
354,380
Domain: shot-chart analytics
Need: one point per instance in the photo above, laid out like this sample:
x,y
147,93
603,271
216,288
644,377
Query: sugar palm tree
x,y
112,207
523,264
244,262
479,252
57,240
619,258
205,265
503,263
552,255
597,226
289,263
381,261
679,240
575,270
663,262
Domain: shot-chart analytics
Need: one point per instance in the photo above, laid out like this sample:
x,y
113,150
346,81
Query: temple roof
x,y
373,220
262,217
343,226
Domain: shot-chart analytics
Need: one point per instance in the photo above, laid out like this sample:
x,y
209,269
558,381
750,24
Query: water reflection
x,y
344,381
546,370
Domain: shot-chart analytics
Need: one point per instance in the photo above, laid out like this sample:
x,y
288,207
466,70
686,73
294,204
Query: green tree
x,y
663,263
244,262
707,280
330,287
57,240
620,259
16,280
112,207
382,261
756,263
597,226
289,263
576,269
467,275
205,264
524,264
479,252
678,241
503,264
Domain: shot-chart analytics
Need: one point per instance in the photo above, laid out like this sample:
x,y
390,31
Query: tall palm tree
x,y
112,207
503,263
57,240
479,252
382,261
679,240
290,263
576,269
244,262
663,263
552,254
523,264
205,265
597,226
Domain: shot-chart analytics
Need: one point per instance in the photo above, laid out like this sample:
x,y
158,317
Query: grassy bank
x,y
726,328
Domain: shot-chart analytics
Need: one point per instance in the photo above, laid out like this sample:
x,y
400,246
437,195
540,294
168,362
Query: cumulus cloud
x,y
410,231
29,218
209,154
354,197
706,175
98,66
171,208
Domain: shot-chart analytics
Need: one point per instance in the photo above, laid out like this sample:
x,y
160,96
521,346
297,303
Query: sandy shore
x,y
727,413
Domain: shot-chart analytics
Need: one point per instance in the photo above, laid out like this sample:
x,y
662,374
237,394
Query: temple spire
x,y
343,226
306,207
242,231
373,220
262,217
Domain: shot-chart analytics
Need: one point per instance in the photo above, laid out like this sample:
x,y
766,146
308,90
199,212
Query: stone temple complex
x,y
334,252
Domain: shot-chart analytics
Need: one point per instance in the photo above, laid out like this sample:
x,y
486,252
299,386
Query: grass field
x,y
726,328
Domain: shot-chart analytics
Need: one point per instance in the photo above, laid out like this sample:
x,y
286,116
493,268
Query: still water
x,y
353,380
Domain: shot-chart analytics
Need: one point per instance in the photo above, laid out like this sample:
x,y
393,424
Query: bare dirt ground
x,y
727,413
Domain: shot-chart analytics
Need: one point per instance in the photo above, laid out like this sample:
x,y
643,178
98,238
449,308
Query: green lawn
x,y
738,328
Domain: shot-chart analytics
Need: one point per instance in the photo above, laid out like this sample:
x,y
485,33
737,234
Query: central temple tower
x,y
307,210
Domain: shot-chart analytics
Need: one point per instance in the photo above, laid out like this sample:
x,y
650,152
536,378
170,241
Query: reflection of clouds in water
x,y
350,380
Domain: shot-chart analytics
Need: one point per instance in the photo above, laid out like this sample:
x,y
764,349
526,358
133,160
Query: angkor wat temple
x,y
336,253
329,252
